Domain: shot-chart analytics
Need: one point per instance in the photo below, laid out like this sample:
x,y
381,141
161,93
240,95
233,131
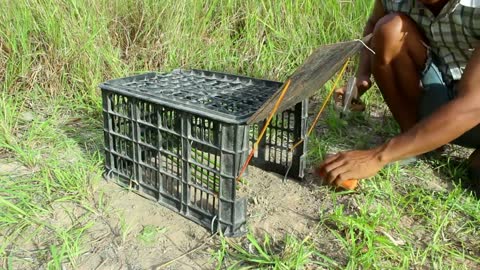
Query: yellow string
x,y
324,105
279,101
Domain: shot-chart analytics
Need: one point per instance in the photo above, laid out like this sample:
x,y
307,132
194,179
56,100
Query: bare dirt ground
x,y
11,168
118,231
274,207
279,207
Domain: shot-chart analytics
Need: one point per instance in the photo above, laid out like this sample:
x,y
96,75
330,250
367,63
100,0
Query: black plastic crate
x,y
181,139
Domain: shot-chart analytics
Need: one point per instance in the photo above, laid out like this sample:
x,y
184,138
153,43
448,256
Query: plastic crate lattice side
x,y
185,162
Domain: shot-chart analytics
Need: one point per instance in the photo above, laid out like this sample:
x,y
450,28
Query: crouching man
x,y
427,66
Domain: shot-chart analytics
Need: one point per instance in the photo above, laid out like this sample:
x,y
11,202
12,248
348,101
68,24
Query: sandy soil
x,y
116,243
277,207
11,168
274,207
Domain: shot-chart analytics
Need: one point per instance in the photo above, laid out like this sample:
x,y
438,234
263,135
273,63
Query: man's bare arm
x,y
446,124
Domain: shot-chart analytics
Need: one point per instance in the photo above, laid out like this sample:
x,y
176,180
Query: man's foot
x,y
474,171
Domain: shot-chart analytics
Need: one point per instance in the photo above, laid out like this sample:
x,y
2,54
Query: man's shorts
x,y
438,92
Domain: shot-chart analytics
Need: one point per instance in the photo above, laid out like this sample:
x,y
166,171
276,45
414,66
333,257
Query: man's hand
x,y
351,165
363,83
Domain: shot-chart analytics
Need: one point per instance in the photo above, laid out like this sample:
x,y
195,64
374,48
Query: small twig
x,y
396,242
101,264
186,253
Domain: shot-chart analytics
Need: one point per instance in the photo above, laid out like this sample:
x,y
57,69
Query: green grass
x,y
148,235
54,53
290,253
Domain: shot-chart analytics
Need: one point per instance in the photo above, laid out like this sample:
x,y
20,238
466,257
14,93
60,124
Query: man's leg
x,y
399,59
474,170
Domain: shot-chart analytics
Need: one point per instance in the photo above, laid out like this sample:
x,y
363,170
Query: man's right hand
x,y
363,83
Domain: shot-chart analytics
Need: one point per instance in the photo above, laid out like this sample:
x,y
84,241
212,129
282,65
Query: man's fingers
x,y
331,170
358,107
327,162
339,92
326,166
330,158
338,173
344,176
346,181
363,83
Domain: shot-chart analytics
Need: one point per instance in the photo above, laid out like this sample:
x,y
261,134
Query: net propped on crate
x,y
317,69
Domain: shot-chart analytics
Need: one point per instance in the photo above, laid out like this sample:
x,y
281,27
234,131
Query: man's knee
x,y
391,24
389,36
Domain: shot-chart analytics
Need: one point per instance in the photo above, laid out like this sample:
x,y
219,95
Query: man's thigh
x,y
437,93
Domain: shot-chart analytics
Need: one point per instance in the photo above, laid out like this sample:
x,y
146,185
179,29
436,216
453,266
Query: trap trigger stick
x,y
351,93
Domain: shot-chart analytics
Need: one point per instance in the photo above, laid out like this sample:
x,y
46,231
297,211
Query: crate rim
x,y
214,115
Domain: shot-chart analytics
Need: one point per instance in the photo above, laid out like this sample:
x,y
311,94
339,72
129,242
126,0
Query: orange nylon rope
x,y
262,133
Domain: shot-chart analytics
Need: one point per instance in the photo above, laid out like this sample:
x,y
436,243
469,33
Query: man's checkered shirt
x,y
453,35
